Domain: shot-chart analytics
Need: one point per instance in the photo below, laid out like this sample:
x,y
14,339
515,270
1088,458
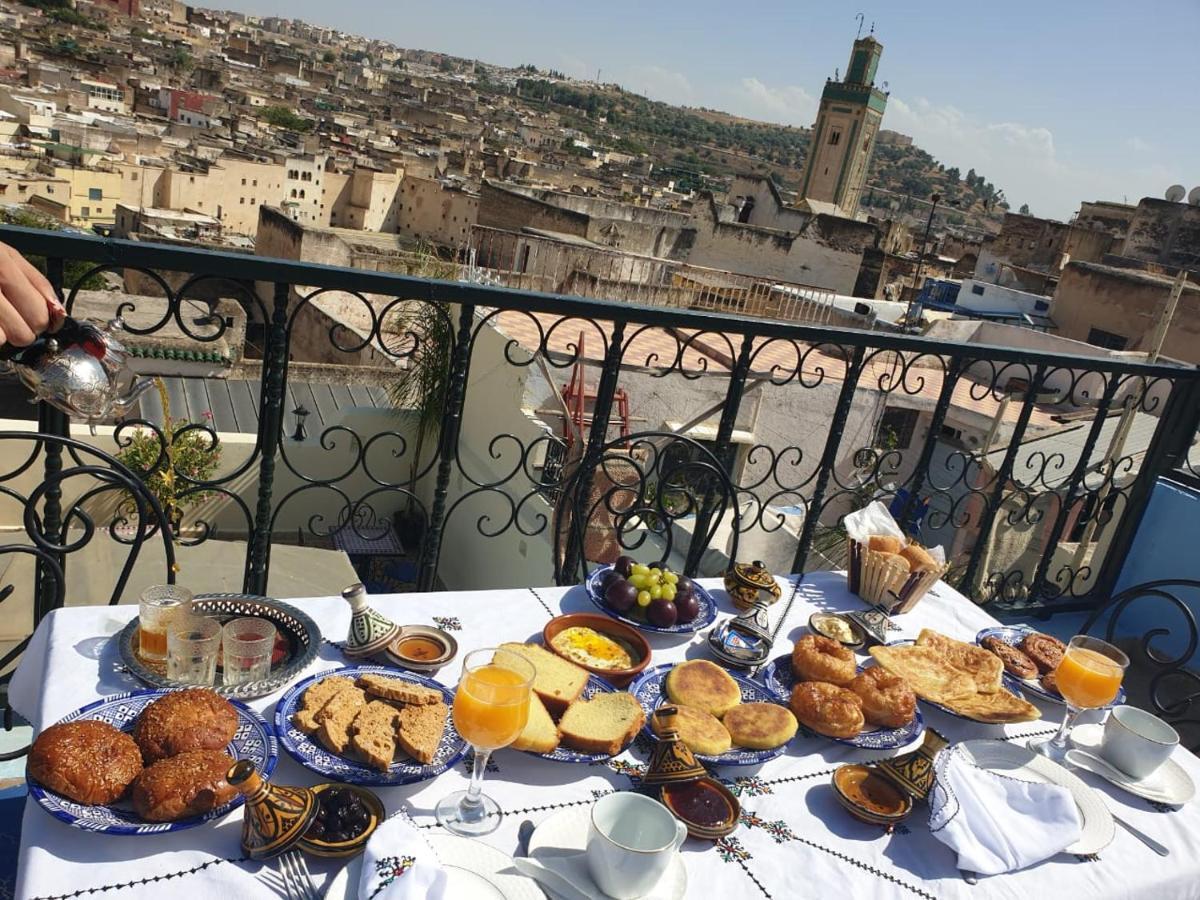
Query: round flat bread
x,y
703,685
702,732
761,726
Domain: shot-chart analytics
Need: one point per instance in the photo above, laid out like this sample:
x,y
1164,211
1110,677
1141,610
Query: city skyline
x,y
1070,110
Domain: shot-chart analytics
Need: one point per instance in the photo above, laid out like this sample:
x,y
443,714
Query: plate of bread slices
x,y
725,719
574,716
370,725
165,756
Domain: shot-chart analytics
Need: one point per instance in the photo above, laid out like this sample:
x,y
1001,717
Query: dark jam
x,y
419,649
699,803
341,816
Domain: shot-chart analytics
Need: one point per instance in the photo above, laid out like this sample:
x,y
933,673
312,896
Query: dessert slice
x,y
398,689
419,729
603,724
314,699
557,682
540,734
373,734
335,718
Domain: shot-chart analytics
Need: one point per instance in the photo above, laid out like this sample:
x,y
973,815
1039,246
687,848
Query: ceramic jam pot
x,y
747,582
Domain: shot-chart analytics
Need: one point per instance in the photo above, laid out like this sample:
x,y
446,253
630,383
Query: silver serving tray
x,y
301,632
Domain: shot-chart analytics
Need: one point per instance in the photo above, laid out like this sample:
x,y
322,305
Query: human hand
x,y
28,305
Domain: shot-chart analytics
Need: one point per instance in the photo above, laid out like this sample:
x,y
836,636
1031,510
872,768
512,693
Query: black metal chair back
x,y
635,489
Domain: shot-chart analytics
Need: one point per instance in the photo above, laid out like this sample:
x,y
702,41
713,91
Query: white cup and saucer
x,y
624,846
1132,750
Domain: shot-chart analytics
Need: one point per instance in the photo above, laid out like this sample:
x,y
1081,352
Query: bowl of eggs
x,y
603,646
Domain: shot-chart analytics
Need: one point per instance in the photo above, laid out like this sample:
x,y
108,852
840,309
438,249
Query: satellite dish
x,y
1175,193
1194,196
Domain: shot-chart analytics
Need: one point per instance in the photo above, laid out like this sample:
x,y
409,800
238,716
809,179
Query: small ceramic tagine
x,y
875,622
276,817
745,641
421,648
884,793
747,582
708,808
370,632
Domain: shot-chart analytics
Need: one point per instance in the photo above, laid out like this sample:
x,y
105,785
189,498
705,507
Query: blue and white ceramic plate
x,y
254,740
704,618
1014,634
649,690
779,677
404,770
595,685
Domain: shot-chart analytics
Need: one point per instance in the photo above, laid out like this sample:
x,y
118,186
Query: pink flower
x,y
207,414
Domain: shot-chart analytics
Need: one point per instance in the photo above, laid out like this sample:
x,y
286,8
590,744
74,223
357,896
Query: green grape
x,y
656,572
668,592
639,569
644,598
656,592
638,581
670,577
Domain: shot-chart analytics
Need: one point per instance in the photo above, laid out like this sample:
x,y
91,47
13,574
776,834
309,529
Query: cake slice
x,y
398,689
335,718
540,734
373,734
314,699
603,724
557,682
419,729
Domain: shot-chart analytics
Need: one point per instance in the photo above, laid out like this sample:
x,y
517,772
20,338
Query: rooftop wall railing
x,y
1031,468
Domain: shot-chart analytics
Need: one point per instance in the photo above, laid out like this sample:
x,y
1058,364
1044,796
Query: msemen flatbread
x,y
982,665
999,708
927,672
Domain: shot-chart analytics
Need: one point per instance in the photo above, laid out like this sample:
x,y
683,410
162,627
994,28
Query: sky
x,y
1055,101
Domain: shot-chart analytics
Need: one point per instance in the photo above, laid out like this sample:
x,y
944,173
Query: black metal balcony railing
x,y
973,498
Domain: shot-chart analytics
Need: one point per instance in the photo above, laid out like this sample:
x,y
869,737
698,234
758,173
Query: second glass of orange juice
x,y
491,707
1088,677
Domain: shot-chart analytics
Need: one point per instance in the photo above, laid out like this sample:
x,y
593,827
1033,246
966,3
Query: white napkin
x,y
996,823
873,518
399,864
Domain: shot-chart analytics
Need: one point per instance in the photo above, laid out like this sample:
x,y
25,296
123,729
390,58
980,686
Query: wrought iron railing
x,y
1032,468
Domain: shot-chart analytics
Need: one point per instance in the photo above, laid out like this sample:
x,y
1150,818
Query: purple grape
x,y
687,607
620,596
684,585
662,613
610,577
624,566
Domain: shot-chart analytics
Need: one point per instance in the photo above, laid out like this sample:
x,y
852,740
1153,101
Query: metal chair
x,y
635,487
51,531
1172,688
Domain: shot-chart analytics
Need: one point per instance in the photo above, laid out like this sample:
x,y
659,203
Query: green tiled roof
x,y
160,352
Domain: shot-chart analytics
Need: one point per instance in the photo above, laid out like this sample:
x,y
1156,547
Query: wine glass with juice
x,y
1088,677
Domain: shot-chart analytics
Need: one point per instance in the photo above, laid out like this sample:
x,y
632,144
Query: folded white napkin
x,y
997,823
399,864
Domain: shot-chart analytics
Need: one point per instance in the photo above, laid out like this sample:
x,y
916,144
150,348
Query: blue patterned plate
x,y
404,770
704,618
778,677
595,685
254,740
1013,635
648,689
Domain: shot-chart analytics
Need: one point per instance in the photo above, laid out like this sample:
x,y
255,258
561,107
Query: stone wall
x,y
1164,233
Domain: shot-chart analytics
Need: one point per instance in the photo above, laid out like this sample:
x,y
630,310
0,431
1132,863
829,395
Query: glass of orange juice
x,y
1088,677
491,707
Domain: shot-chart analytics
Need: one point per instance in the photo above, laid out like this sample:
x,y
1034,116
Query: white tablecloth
x,y
794,839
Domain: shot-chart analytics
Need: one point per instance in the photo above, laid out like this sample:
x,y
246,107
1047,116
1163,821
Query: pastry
x,y
540,734
1049,681
760,726
314,699
985,668
817,658
1015,662
884,543
399,689
336,717
927,672
556,681
191,719
918,558
827,709
887,700
87,761
419,729
190,783
1045,651
703,685
702,732
373,734
603,724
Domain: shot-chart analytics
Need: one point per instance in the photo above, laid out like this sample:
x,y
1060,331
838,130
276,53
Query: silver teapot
x,y
81,369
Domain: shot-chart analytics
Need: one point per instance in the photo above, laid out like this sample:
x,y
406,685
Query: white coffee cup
x,y
631,840
1137,742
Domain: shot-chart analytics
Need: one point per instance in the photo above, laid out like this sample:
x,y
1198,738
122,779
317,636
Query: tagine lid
x,y
370,631
671,761
755,575
277,816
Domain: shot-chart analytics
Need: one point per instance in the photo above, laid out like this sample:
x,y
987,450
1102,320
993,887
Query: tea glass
x,y
1088,677
491,707
192,646
246,647
159,606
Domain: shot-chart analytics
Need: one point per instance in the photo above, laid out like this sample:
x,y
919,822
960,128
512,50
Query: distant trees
x,y
282,117
1024,210
328,56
